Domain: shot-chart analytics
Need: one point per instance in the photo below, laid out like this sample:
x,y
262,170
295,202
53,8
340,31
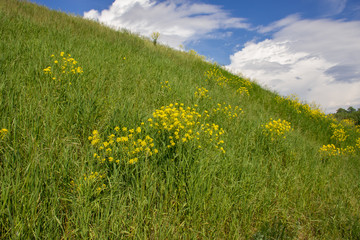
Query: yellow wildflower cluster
x,y
123,145
348,122
95,138
3,133
228,110
183,124
339,133
246,82
291,100
243,91
202,93
93,176
294,102
276,128
237,81
165,85
192,52
314,111
348,150
214,74
358,143
344,136
64,68
331,150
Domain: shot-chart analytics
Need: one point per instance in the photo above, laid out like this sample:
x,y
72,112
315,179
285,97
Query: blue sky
x,y
310,48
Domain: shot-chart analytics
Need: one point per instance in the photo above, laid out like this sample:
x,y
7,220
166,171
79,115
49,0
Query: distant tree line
x,y
350,113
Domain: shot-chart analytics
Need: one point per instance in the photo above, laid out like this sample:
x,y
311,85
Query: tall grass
x,y
53,187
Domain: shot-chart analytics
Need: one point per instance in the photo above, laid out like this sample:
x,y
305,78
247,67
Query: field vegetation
x,y
108,135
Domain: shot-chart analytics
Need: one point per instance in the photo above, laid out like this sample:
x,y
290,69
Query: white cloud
x,y
177,21
280,24
316,59
333,7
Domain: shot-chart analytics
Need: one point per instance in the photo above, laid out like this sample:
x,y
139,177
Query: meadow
x,y
107,135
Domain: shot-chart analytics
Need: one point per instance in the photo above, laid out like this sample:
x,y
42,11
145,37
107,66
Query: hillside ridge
x,y
105,134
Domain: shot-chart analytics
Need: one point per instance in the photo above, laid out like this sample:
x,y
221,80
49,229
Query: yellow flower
x,y
276,128
339,133
133,160
358,143
3,133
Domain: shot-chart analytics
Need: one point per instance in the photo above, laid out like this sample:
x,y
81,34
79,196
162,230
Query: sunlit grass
x,y
106,135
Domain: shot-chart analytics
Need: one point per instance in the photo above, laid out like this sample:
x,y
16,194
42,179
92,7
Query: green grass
x,y
257,189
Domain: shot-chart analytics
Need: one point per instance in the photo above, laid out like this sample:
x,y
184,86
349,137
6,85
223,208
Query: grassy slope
x,y
257,189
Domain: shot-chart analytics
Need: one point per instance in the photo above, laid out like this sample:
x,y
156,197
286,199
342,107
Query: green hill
x,y
105,135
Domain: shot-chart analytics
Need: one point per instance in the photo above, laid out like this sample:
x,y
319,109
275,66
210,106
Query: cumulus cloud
x,y
315,59
177,21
